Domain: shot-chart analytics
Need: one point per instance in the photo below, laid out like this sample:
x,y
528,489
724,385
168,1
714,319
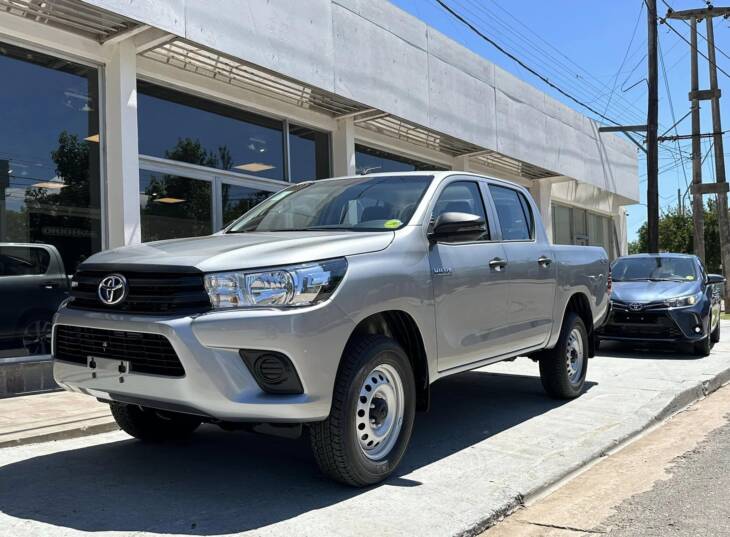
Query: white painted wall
x,y
374,53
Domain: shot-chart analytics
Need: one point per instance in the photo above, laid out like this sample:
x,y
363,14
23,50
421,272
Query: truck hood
x,y
244,250
648,291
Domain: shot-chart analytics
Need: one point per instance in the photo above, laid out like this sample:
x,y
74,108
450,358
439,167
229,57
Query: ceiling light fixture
x,y
51,185
254,167
171,201
93,138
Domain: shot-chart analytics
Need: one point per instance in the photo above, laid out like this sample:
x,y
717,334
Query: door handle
x,y
49,285
544,261
497,263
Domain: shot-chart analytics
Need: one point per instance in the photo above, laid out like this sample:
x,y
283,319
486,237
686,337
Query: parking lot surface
x,y
491,439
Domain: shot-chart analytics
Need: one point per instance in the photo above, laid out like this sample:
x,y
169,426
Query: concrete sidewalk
x,y
491,440
51,416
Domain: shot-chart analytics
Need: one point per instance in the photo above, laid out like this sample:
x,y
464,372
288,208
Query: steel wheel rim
x,y
379,412
574,356
35,337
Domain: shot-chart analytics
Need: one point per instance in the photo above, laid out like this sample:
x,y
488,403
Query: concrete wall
x,y
376,54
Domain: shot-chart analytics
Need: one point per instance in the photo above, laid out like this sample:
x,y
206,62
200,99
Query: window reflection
x,y
172,206
237,200
368,159
184,127
310,153
49,189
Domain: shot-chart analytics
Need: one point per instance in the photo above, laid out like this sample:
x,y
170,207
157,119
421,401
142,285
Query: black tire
x,y
554,372
153,425
336,440
703,348
715,334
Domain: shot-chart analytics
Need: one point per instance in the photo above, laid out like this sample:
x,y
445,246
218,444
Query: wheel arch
x,y
579,304
402,327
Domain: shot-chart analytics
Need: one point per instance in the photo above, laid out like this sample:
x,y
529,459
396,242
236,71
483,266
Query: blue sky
x,y
580,45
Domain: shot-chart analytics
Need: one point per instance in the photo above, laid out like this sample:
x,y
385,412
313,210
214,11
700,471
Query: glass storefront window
x,y
368,159
238,200
172,206
309,154
178,126
49,189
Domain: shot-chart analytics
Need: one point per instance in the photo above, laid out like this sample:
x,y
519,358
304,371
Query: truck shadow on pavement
x,y
218,482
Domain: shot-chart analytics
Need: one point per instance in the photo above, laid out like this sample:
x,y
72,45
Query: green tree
x,y
676,234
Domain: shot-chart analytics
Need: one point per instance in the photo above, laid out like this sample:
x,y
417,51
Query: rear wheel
x,y
563,368
153,425
373,408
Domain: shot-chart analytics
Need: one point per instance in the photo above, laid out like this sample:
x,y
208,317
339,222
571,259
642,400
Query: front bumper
x,y
217,383
670,325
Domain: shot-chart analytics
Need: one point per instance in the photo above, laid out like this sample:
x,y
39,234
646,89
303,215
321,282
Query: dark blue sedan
x,y
664,298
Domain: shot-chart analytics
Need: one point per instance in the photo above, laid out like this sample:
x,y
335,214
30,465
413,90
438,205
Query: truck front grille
x,y
151,293
146,353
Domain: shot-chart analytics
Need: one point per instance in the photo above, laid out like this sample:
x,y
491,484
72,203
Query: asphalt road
x,y
693,502
491,439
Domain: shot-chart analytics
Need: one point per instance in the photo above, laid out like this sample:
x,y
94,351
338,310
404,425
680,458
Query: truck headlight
x,y
296,285
683,301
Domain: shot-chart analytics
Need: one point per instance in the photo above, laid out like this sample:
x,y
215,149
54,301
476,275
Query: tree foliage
x,y
676,234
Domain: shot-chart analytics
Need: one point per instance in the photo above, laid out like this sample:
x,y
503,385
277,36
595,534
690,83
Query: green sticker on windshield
x,y
392,224
689,277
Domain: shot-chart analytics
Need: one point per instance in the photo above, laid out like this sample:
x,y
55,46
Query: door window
x,y
513,210
461,197
23,260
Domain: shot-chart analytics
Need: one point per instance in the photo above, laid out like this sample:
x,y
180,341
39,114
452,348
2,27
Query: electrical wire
x,y
718,49
671,108
523,64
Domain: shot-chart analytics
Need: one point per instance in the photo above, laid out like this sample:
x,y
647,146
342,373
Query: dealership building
x,y
126,121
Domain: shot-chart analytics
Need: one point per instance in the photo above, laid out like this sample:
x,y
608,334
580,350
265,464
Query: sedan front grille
x,y
146,353
161,293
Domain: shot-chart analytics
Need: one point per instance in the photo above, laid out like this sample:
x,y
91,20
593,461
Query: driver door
x,y
470,284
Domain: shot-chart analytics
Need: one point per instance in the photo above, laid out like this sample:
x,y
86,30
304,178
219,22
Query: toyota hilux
x,y
333,306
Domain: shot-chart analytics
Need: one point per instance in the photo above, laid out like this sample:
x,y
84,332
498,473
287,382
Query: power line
x,y
623,61
523,64
515,36
718,49
671,108
665,21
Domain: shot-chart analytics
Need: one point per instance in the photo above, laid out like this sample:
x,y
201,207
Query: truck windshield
x,y
654,268
378,203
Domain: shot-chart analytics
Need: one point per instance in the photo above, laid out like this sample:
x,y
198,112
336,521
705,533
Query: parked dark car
x,y
33,283
664,298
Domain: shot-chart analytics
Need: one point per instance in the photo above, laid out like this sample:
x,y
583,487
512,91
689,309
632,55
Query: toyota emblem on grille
x,y
112,289
635,306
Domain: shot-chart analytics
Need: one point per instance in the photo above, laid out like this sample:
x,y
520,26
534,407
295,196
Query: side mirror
x,y
715,278
464,226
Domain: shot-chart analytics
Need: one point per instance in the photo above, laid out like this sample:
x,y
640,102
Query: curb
x,y
105,426
677,403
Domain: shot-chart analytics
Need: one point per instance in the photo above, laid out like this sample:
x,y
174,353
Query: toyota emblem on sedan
x,y
635,306
112,289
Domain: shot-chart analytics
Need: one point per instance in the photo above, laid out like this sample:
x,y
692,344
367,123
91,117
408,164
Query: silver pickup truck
x,y
334,304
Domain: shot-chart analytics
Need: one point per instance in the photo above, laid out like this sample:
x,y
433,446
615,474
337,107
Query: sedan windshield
x,y
654,268
380,203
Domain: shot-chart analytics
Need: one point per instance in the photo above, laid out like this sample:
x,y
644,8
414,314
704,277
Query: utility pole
x,y
698,210
720,187
722,217
652,121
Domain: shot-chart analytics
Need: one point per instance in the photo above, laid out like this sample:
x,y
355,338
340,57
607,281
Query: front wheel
x,y
703,348
153,425
373,408
715,334
563,368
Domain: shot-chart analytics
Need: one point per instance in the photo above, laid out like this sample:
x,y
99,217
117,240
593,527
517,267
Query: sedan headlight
x,y
683,301
297,285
